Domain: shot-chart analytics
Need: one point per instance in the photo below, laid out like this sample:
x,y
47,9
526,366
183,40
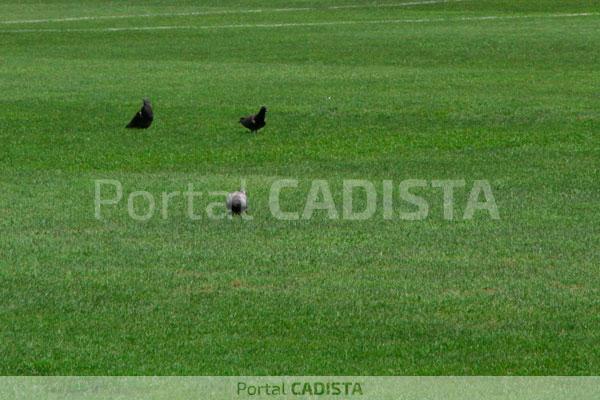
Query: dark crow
x,y
237,202
143,118
255,122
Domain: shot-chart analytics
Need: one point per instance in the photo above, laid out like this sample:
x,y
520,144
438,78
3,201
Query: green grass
x,y
515,101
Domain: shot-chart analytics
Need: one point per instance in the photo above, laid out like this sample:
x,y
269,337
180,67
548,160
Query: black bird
x,y
143,119
255,122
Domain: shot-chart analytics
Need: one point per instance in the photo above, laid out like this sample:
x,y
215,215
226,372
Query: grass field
x,y
506,91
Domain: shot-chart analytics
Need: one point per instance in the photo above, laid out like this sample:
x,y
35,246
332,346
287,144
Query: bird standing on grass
x,y
143,119
237,202
255,122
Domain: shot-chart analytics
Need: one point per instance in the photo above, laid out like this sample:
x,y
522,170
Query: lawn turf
x,y
439,91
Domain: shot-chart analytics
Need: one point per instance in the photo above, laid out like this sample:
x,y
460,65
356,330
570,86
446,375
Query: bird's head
x,y
147,102
263,111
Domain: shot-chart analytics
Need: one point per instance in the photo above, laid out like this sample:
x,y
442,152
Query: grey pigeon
x,y
237,202
255,122
143,119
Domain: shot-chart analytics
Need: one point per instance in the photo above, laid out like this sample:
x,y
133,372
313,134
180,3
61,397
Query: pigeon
x,y
143,118
255,122
237,202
